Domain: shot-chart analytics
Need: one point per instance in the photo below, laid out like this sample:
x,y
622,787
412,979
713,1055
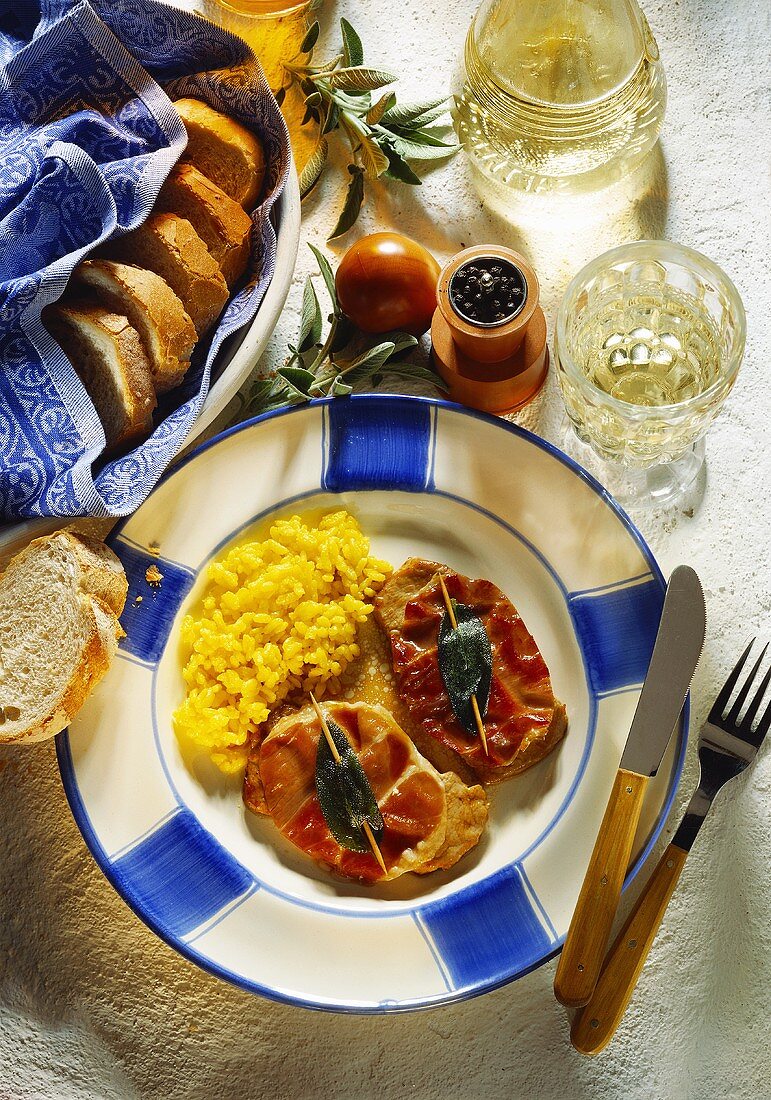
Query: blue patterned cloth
x,y
88,134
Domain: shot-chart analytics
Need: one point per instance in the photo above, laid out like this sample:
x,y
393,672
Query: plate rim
x,y
446,997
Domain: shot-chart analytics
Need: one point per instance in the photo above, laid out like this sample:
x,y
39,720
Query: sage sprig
x,y
466,663
384,136
344,793
321,365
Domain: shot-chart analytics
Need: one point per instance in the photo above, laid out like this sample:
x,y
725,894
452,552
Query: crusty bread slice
x,y
108,355
60,599
223,150
223,225
170,247
167,333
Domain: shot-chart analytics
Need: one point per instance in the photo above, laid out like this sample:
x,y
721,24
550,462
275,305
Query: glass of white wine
x,y
649,340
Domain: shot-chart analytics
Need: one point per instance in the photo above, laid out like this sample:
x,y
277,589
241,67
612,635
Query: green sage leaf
x,y
358,79
286,394
298,377
259,393
427,137
413,372
326,273
353,200
353,51
374,160
466,663
344,793
399,169
377,110
327,66
310,318
423,150
338,388
401,341
430,116
402,114
311,115
311,37
311,173
369,361
332,118
280,95
343,333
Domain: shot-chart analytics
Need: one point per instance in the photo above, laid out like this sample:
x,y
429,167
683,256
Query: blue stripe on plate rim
x,y
83,822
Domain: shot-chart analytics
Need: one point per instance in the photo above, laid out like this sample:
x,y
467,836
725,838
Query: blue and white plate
x,y
219,884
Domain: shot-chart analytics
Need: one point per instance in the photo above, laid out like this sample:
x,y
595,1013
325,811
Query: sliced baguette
x,y
107,353
60,599
167,333
223,150
170,247
223,225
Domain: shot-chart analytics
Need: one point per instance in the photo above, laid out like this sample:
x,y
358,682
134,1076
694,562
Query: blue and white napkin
x,y
88,134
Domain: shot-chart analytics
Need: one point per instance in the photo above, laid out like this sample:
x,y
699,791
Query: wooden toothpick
x,y
338,759
474,703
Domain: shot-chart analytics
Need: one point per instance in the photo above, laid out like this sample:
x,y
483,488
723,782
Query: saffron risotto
x,y
278,619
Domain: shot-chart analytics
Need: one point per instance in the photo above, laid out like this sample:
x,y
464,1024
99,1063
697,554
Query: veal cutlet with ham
x,y
430,819
523,720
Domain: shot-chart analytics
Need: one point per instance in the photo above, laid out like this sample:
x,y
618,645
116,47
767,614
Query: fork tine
x,y
716,714
760,731
733,714
757,735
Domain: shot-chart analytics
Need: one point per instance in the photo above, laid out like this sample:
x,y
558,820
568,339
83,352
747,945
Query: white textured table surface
x,y
93,1005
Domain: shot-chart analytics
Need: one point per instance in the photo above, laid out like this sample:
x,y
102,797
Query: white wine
x,y
647,345
651,349
657,347
559,95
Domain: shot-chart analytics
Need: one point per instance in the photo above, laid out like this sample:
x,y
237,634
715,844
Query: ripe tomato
x,y
386,281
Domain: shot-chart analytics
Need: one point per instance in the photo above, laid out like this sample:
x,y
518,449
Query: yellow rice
x,y
278,619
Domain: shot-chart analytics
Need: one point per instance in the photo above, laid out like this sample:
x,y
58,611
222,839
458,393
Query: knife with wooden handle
x,y
595,1025
675,655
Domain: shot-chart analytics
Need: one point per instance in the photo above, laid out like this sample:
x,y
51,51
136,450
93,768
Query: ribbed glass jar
x,y
559,95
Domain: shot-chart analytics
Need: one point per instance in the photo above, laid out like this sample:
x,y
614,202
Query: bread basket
x,y
234,364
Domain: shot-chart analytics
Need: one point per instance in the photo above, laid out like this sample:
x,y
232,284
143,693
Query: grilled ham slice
x,y
465,805
523,721
409,790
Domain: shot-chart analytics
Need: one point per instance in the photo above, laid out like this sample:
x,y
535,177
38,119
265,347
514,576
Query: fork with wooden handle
x,y
727,745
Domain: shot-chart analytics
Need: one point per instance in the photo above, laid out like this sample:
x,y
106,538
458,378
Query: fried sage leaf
x,y
344,793
466,663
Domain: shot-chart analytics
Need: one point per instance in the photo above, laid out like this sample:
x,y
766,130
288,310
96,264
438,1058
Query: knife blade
x,y
676,653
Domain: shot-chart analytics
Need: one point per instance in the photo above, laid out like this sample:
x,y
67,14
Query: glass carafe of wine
x,y
559,95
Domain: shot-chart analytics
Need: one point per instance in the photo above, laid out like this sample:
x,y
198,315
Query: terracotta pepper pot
x,y
488,332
